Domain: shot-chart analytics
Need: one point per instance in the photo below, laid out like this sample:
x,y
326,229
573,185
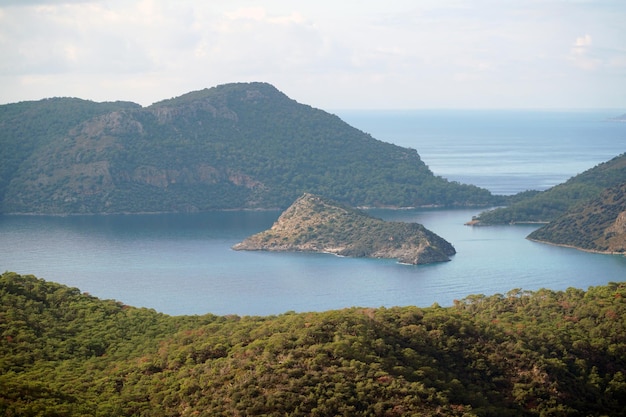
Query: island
x,y
317,224
621,118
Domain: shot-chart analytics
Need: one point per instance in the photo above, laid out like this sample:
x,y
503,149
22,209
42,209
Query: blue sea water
x,y
183,264
505,151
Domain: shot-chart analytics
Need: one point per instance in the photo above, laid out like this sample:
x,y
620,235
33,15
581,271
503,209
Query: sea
x,y
183,264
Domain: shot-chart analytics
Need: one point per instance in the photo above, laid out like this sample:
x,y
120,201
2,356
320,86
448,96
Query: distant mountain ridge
x,y
598,226
234,146
315,224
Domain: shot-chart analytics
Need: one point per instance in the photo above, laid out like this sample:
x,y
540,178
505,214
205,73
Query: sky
x,y
340,54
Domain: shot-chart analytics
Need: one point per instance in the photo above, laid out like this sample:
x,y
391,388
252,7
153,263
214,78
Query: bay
x,y
183,264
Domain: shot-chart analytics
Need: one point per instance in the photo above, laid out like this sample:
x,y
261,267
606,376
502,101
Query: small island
x,y
316,224
621,118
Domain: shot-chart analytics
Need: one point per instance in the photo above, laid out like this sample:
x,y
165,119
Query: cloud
x,y
326,53
582,42
582,54
27,3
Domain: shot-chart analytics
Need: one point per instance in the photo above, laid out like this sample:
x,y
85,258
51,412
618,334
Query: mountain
x,y
599,225
234,146
28,126
315,224
524,353
545,206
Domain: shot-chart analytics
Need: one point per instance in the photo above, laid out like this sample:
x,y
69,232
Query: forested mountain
x,y
28,126
317,224
545,206
232,146
599,225
63,353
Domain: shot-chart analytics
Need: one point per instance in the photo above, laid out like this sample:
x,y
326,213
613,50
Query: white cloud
x,y
582,42
351,54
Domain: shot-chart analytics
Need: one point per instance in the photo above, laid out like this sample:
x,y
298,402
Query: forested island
x,y
234,146
528,353
316,224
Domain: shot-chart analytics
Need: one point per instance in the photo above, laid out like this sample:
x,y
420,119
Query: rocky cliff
x,y
315,224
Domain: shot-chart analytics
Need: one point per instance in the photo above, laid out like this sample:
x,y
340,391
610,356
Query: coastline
x,y
577,248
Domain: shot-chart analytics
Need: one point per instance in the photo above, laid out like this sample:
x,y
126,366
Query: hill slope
x,y
547,205
599,225
315,224
27,126
63,353
232,146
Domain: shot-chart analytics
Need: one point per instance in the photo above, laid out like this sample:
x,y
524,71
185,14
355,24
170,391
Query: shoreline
x,y
243,209
562,245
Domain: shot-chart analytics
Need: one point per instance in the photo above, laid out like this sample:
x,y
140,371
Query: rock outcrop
x,y
315,224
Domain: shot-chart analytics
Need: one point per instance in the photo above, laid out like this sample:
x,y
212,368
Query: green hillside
x,y
28,126
547,205
543,353
231,146
599,225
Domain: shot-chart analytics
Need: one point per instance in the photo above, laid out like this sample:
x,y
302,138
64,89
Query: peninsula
x,y
597,226
546,206
316,224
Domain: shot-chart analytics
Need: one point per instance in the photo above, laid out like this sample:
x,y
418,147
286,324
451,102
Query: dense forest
x,y
545,206
28,126
599,225
243,145
528,353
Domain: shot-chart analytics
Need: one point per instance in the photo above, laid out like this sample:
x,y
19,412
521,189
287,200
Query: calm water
x,y
504,151
183,264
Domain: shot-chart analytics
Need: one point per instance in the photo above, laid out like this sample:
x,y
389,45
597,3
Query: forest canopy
x,y
534,353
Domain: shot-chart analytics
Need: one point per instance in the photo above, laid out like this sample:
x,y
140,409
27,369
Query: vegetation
x,y
315,224
543,353
232,146
599,225
547,205
28,126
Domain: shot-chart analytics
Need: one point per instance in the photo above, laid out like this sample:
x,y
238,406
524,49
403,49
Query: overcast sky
x,y
339,54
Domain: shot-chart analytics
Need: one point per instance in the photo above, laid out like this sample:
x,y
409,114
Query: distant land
x,y
621,118
523,353
315,224
548,205
597,226
234,146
